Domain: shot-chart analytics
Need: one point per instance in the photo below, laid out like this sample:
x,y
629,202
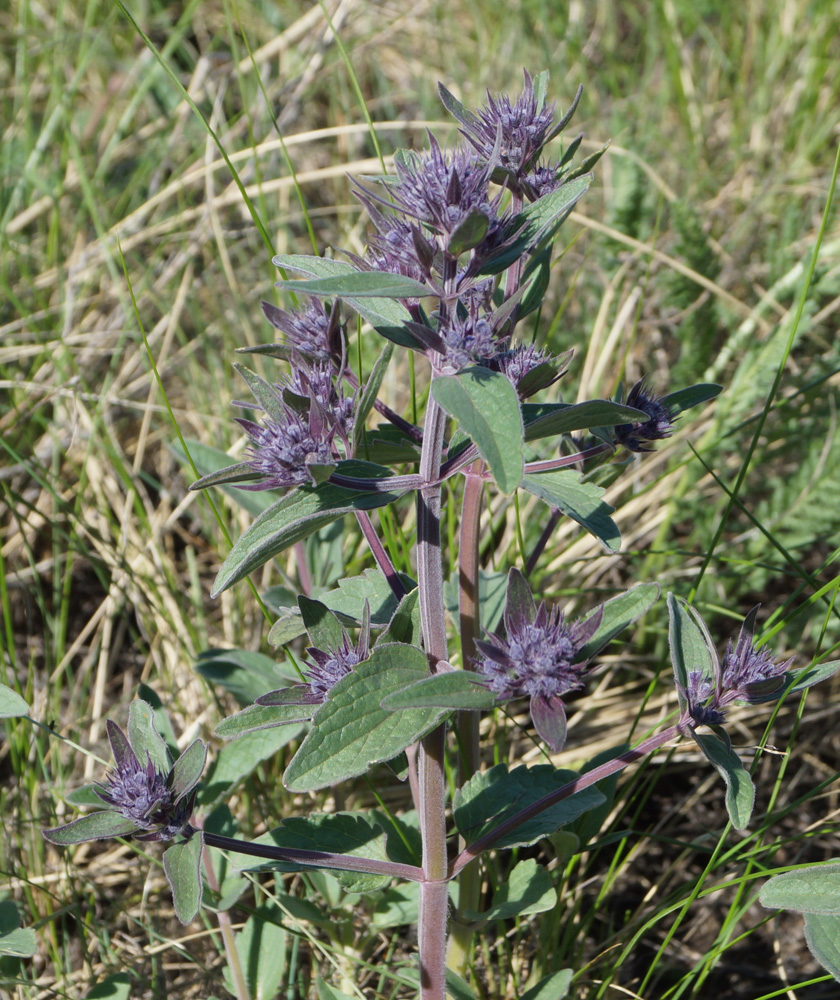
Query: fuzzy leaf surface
x,y
145,738
684,399
618,613
347,833
387,316
95,826
547,419
455,689
492,589
541,220
808,890
527,889
11,703
238,759
486,406
262,947
553,987
351,731
490,797
289,520
17,941
582,502
245,673
689,648
822,934
740,790
256,717
349,597
182,865
360,284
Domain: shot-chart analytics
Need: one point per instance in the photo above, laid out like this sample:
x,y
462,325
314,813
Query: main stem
x,y
469,883
433,890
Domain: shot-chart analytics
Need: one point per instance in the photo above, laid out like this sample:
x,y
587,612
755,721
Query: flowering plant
x,y
460,256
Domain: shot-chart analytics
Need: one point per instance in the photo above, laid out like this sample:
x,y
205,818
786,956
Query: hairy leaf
x,y
580,501
289,520
490,797
486,406
740,791
351,731
182,865
618,613
526,889
808,890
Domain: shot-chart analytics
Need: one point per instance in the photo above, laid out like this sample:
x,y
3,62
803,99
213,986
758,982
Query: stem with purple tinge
x,y
383,560
237,975
469,883
433,891
577,785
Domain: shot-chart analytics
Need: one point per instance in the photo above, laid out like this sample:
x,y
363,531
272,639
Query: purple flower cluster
x,y
746,674
539,656
659,425
441,223
155,804
325,669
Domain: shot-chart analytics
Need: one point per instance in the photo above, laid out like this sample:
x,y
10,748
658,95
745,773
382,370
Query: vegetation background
x,y
131,269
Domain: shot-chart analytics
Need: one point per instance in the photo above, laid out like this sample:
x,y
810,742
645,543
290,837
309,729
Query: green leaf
x,y
145,738
618,613
486,406
182,865
211,462
361,284
690,647
455,689
288,520
490,797
327,992
238,759
684,399
398,906
187,769
116,987
580,501
492,589
96,826
808,890
541,221
257,717
371,391
548,419
270,402
527,889
553,987
349,597
352,834
244,673
457,988
322,626
262,945
469,232
17,941
810,676
404,625
822,934
740,791
11,703
387,316
287,628
351,731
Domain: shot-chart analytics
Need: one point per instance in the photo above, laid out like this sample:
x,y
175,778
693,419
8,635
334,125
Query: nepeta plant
x,y
460,256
